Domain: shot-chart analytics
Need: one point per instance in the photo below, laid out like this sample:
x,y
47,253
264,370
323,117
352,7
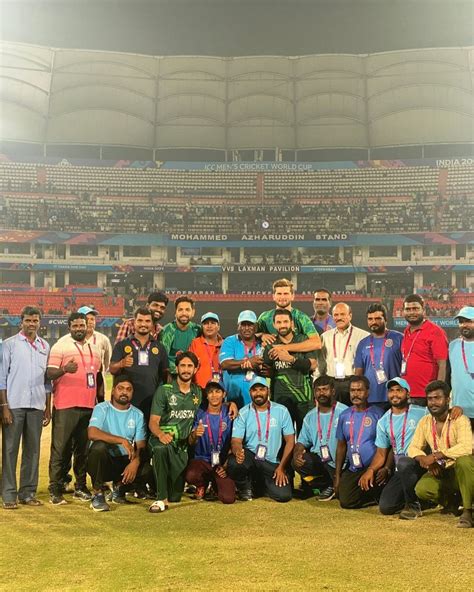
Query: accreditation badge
x,y
380,376
339,370
403,368
215,458
90,380
249,375
216,377
324,453
143,358
356,460
261,453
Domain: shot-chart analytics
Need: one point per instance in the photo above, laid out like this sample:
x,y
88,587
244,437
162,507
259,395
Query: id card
x,y
403,367
396,458
249,375
90,380
356,460
324,453
143,358
380,376
340,372
261,452
215,460
216,377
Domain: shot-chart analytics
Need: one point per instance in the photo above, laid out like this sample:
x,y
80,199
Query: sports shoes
x,y
57,499
98,503
327,494
200,493
245,495
82,494
157,507
117,496
411,512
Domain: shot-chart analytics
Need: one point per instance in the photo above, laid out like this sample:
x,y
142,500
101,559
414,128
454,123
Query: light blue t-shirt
x,y
236,384
462,381
245,427
382,440
309,435
128,424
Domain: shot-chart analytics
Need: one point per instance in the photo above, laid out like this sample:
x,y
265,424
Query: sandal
x,y
465,521
31,501
10,506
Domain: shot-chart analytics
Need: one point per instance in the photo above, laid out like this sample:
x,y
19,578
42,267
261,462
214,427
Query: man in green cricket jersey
x,y
290,372
176,336
172,415
283,296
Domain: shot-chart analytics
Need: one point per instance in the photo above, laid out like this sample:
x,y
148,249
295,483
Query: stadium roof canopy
x,y
408,97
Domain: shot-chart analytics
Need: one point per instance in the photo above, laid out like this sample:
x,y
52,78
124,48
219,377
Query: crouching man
x,y
118,441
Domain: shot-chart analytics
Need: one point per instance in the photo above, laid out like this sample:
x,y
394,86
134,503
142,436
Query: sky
x,y
239,27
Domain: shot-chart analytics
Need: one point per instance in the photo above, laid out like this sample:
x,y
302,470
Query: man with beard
x,y
283,296
378,356
117,433
142,359
172,415
315,450
178,335
241,359
290,373
339,348
442,446
157,303
74,366
424,350
322,319
355,434
25,401
461,357
257,437
207,348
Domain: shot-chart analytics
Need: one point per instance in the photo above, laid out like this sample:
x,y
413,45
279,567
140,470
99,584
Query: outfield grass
x,y
259,545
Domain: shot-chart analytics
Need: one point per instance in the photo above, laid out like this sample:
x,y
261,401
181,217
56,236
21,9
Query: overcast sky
x,y
239,27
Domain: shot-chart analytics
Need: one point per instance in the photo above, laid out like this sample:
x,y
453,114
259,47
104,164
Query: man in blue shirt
x,y
378,356
315,451
355,434
461,358
117,433
394,432
211,438
257,437
241,359
25,403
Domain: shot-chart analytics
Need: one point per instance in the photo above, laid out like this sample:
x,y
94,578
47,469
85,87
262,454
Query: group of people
x,y
365,416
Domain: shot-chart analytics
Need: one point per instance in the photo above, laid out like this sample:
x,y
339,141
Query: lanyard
x,y
259,427
347,344
248,350
435,434
382,353
361,429
464,359
405,357
138,347
320,431
392,433
82,356
32,343
210,356
209,431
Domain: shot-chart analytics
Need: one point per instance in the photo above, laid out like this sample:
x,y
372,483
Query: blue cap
x,y
258,380
400,381
87,310
247,316
466,312
210,315
214,383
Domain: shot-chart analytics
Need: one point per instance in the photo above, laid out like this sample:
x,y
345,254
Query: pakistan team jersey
x,y
128,423
176,340
176,410
303,324
288,382
383,440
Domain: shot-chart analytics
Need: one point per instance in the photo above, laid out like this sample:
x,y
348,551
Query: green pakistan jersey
x,y
287,382
176,410
303,324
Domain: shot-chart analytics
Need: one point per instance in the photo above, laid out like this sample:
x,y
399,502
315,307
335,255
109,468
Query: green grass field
x,y
259,545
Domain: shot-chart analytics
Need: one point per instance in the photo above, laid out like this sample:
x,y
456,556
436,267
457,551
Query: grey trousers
x,y
26,428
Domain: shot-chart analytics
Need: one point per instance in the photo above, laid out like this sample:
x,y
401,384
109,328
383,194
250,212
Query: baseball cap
x,y
87,310
216,384
247,315
466,312
258,380
400,381
210,315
